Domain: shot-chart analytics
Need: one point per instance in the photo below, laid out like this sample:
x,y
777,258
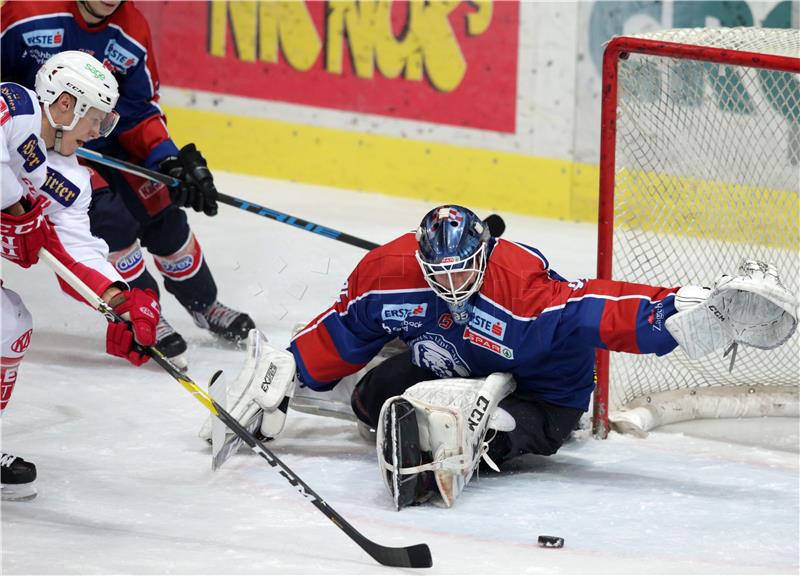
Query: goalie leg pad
x,y
452,417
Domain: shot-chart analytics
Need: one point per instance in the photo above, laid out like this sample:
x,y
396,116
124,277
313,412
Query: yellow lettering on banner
x,y
478,22
288,25
263,30
243,25
429,40
444,62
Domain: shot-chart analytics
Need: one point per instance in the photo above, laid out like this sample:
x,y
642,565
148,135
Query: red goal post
x,y
699,167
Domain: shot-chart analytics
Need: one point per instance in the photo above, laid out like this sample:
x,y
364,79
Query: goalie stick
x,y
416,556
494,222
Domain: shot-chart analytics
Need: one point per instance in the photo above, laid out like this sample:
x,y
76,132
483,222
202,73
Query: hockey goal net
x,y
700,167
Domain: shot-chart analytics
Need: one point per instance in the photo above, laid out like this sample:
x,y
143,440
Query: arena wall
x,y
495,105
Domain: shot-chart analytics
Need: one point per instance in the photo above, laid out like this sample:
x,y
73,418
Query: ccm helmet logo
x,y
72,86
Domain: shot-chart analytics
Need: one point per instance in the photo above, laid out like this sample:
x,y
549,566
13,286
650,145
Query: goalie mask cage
x,y
700,167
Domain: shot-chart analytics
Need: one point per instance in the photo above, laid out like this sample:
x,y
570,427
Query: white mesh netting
x,y
707,173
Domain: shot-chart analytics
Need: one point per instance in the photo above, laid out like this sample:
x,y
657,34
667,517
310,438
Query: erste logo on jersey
x,y
487,323
403,311
488,344
32,155
405,315
120,58
52,38
59,188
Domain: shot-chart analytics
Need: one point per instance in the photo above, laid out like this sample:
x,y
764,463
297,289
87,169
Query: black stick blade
x,y
416,556
495,224
419,556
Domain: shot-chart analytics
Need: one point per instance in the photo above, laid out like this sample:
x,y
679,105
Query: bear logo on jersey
x,y
434,353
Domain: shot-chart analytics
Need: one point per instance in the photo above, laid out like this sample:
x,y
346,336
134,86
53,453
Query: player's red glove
x,y
24,235
140,310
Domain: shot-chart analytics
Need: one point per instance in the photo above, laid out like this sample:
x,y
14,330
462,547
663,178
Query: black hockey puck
x,y
551,542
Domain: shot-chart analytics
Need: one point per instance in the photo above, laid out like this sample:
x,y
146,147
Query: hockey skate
x,y
18,477
225,322
171,344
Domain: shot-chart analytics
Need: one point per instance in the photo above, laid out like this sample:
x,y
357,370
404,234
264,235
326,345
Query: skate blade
x,y
18,492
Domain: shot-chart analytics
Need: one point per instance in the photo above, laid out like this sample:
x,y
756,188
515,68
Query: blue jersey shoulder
x,y
17,99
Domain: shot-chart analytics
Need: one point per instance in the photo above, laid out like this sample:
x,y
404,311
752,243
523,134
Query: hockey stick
x,y
494,222
142,172
416,556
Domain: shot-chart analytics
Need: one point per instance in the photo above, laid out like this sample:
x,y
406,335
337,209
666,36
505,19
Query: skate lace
x,y
7,459
220,315
163,329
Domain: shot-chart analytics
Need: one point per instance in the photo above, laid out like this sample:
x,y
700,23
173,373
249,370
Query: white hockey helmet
x,y
83,77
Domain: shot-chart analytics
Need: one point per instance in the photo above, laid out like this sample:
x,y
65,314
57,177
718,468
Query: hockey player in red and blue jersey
x,y
500,309
492,333
131,212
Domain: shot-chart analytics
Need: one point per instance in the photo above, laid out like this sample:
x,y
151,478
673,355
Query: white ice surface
x,y
125,486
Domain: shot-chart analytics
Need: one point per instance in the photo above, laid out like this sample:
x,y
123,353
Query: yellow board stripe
x,y
712,210
499,181
482,179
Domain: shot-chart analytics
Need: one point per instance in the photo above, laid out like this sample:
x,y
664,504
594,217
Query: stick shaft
x,y
417,556
251,207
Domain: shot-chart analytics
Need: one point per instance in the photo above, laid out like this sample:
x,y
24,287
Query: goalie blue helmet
x,y
452,254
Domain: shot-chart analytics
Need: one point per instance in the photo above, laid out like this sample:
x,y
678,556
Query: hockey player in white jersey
x,y
45,202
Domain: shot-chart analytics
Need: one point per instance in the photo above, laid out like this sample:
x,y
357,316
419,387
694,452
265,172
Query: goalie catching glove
x,y
431,439
752,308
265,385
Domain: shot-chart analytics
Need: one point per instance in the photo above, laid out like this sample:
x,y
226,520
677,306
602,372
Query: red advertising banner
x,y
451,63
